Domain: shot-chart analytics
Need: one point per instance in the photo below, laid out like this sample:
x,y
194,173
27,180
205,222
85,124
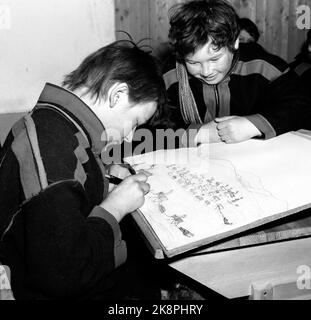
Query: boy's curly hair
x,y
194,23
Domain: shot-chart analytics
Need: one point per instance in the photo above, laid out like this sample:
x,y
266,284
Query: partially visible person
x,y
249,37
302,63
59,216
226,91
248,31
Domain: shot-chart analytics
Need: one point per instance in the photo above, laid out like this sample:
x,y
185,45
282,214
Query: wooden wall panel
x,y
283,49
133,17
273,35
159,23
296,37
276,20
246,8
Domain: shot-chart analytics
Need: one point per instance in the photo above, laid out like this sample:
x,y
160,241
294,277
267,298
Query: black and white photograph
x,y
155,155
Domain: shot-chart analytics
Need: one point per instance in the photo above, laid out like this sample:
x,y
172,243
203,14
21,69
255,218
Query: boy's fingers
x,y
140,177
222,132
145,187
221,125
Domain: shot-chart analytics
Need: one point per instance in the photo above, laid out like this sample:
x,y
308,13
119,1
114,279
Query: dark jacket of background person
x,y
302,65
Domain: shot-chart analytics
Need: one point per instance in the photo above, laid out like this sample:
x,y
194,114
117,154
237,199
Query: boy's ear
x,y
237,43
118,94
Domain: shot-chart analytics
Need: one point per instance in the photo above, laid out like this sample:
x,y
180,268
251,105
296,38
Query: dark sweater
x,y
58,242
302,67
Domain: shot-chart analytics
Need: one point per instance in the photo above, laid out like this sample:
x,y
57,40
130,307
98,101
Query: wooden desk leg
x,y
281,289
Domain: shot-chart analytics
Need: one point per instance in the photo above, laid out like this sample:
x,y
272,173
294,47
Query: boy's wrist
x,y
108,206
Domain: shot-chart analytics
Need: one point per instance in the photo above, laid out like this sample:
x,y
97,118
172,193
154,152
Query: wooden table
x,y
249,264
233,273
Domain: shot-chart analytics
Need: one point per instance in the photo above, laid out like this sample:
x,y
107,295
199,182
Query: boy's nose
x,y
206,71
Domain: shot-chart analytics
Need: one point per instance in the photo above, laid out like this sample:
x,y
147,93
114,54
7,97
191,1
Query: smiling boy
x,y
225,90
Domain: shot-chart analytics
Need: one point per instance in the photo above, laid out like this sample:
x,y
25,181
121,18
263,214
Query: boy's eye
x,y
192,62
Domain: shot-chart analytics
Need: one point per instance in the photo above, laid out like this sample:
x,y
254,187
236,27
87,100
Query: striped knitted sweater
x,y
55,238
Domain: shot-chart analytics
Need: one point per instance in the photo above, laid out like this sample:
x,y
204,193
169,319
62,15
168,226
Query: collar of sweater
x,y
71,104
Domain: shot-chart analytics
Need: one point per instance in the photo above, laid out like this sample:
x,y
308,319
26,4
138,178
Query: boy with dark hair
x,y
224,90
59,216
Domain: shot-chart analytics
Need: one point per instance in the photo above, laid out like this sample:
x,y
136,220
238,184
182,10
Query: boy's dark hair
x,y
120,61
194,23
250,27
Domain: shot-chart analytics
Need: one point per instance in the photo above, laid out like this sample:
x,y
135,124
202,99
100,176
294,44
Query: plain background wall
x,y
42,40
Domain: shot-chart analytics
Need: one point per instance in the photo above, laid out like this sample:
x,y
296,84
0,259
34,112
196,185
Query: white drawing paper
x,y
202,192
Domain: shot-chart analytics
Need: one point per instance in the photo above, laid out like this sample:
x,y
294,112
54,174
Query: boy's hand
x,y
208,134
117,171
236,129
127,197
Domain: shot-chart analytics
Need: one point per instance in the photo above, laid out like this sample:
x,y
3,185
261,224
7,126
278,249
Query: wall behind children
x,y
41,40
276,20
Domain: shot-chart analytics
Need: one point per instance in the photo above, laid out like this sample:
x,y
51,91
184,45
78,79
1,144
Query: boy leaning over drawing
x,y
59,216
225,90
